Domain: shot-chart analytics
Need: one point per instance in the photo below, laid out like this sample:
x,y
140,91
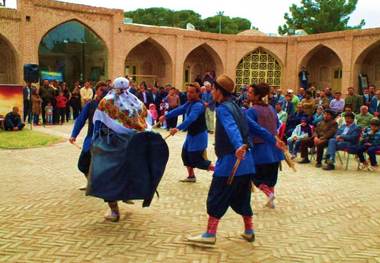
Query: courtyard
x,y
320,216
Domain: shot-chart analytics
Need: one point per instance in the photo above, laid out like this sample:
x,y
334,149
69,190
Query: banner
x,y
10,96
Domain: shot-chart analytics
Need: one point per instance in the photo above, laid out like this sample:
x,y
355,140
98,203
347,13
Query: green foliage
x,y
320,16
165,17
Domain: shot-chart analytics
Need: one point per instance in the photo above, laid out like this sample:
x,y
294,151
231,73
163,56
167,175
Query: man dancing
x,y
232,143
193,151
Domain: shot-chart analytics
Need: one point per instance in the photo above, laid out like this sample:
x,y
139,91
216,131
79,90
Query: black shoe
x,y
304,161
329,167
318,165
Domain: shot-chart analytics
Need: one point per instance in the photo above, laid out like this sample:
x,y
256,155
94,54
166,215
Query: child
x,y
369,143
36,106
164,108
301,131
49,114
153,113
61,106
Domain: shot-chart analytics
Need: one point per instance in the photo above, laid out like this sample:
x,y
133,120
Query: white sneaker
x,y
201,239
362,166
270,203
112,216
371,168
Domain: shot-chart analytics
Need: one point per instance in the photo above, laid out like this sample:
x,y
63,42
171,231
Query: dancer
x,y
87,114
195,146
127,161
267,157
232,143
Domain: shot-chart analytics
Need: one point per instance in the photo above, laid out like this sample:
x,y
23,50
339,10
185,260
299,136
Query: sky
x,y
267,15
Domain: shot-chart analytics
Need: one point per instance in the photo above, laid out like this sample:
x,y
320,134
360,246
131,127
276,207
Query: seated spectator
x,y
278,97
308,104
346,137
337,104
282,115
374,107
301,132
355,101
295,100
287,105
322,133
369,143
322,100
13,121
318,116
293,120
364,118
341,120
301,94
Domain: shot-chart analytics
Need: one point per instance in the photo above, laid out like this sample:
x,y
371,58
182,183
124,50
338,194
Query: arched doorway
x,y
368,65
200,61
324,68
149,62
257,67
8,74
72,52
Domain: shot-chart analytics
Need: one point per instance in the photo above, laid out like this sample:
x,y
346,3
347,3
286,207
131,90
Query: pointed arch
x,y
149,61
73,51
200,60
259,65
324,66
9,61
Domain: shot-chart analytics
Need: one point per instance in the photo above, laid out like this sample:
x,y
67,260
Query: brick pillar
x,y
230,66
178,62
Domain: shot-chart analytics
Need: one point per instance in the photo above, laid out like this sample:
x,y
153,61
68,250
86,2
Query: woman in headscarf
x,y
123,151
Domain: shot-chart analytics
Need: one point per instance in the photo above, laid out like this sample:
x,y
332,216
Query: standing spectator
x,y
86,93
153,113
47,96
366,97
144,95
308,104
61,107
27,99
374,107
364,118
370,143
301,132
337,104
67,94
55,86
132,88
13,121
295,99
174,102
36,106
355,101
322,133
49,113
209,104
282,115
346,137
288,106
318,116
75,101
303,77
156,97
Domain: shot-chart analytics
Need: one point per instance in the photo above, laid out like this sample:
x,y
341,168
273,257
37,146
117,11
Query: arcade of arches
x,y
72,52
324,67
7,62
149,62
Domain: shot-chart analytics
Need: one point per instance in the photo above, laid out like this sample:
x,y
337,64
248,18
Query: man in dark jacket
x,y
13,121
27,101
47,94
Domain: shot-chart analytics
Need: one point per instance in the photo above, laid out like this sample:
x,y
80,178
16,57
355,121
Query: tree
x,y
166,17
320,16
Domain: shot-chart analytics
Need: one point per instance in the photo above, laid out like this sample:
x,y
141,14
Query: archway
x,y
70,52
258,66
200,61
8,64
368,65
149,62
324,68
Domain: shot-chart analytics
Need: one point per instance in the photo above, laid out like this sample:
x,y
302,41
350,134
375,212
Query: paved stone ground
x,y
320,216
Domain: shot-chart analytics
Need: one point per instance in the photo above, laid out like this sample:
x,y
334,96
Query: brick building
x,y
85,42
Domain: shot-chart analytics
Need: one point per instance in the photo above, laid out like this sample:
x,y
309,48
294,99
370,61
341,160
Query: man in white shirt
x,y
86,93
